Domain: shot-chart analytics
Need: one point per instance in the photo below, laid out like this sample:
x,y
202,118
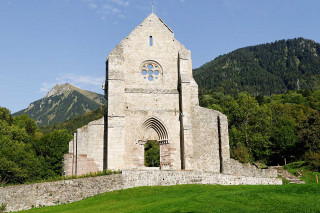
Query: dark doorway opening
x,y
152,154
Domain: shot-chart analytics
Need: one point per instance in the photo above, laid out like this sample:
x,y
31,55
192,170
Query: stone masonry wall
x,y
234,167
134,178
88,144
52,193
206,144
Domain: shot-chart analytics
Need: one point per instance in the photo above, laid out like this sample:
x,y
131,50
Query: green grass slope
x,y
200,198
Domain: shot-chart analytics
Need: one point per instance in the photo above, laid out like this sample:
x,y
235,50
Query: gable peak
x,y
154,17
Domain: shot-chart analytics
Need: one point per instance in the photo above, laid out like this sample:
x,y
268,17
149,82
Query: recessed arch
x,y
158,126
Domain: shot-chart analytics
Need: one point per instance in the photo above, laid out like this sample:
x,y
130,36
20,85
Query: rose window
x,y
151,70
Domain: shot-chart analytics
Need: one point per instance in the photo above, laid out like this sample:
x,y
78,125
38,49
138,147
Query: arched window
x,y
151,70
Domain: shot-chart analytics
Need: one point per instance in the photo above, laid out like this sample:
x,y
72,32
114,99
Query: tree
x,y
309,132
24,121
18,161
152,154
283,139
51,149
5,116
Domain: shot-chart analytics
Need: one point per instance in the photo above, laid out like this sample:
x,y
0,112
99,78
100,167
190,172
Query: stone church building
x,y
152,95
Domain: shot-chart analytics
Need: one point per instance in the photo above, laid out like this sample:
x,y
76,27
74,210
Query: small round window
x,y
144,72
150,70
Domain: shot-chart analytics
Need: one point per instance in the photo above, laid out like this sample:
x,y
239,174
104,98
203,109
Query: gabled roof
x,y
153,16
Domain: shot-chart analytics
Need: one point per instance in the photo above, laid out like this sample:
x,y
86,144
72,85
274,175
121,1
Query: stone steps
x,y
285,174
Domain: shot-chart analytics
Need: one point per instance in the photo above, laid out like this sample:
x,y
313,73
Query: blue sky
x,y
45,42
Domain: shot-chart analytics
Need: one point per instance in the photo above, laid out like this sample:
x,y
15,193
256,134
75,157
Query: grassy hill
x,y
264,69
63,102
200,198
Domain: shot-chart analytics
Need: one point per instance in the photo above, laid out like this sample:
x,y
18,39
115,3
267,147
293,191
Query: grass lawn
x,y
200,198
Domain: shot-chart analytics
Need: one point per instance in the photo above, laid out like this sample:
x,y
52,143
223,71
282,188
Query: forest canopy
x,y
271,129
27,155
265,69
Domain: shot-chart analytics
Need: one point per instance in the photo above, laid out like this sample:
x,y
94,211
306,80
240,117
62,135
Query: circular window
x,y
144,72
150,70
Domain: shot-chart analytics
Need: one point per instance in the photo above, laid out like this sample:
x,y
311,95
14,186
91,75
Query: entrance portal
x,y
152,154
154,138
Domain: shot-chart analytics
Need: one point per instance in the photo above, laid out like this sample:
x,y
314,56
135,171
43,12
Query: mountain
x,y
63,102
71,125
264,69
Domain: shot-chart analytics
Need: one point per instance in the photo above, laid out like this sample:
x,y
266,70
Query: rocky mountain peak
x,y
59,89
64,101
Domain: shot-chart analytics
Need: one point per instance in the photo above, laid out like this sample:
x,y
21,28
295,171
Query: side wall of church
x,y
86,150
206,142
187,106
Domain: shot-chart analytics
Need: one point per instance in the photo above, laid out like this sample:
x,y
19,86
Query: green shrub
x,y
241,153
3,207
284,181
313,160
3,181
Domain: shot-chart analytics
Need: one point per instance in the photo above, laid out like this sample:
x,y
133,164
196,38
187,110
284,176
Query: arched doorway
x,y
154,137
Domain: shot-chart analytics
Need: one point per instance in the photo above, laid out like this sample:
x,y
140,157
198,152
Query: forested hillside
x,y
264,69
271,129
63,102
73,124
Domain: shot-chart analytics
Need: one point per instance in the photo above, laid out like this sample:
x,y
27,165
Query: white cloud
x,y
82,81
108,8
46,87
92,5
121,2
140,7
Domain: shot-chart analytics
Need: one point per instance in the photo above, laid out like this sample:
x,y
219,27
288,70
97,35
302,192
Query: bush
x,y
241,153
3,207
313,160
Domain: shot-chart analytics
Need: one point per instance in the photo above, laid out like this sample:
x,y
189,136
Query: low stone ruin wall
x,y
134,178
234,167
22,197
52,193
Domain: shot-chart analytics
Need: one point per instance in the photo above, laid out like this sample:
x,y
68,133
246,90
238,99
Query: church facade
x,y
151,95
